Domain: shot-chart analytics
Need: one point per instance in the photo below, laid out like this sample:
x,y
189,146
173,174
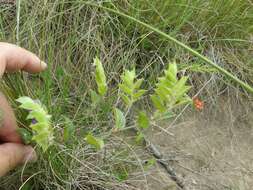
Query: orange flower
x,y
198,104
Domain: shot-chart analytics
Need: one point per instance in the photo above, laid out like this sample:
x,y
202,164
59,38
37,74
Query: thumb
x,y
12,155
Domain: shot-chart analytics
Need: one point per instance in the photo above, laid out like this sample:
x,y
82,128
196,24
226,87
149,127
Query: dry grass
x,y
209,150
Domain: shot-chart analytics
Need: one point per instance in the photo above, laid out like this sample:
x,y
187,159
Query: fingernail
x,y
43,65
30,155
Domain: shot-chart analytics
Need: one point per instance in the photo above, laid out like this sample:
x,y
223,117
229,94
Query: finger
x,y
8,126
12,155
14,58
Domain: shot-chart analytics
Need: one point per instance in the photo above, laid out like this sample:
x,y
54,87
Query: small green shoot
x,y
142,120
120,120
94,141
170,92
40,125
130,89
100,77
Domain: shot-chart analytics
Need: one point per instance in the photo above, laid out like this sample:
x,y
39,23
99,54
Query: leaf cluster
x,y
170,91
40,125
130,87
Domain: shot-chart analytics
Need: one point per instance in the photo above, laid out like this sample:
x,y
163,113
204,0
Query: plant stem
x,y
189,49
18,20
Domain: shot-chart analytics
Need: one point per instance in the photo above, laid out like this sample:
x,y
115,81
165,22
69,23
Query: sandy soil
x,y
211,149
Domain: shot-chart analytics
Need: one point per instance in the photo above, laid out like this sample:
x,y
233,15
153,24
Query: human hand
x,y
12,151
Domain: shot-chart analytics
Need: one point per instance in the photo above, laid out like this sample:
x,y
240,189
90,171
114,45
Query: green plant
x,y
67,35
170,92
130,89
120,120
100,77
94,141
40,121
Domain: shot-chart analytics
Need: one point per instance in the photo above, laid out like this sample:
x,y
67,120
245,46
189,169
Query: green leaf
x,y
181,83
120,120
24,99
126,99
126,89
68,130
138,83
95,98
39,127
142,120
131,91
39,114
28,103
169,90
128,77
139,138
184,100
43,140
26,135
163,91
157,103
171,73
100,77
96,142
139,94
166,115
182,92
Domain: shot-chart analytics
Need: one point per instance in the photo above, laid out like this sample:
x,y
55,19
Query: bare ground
x,y
210,150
